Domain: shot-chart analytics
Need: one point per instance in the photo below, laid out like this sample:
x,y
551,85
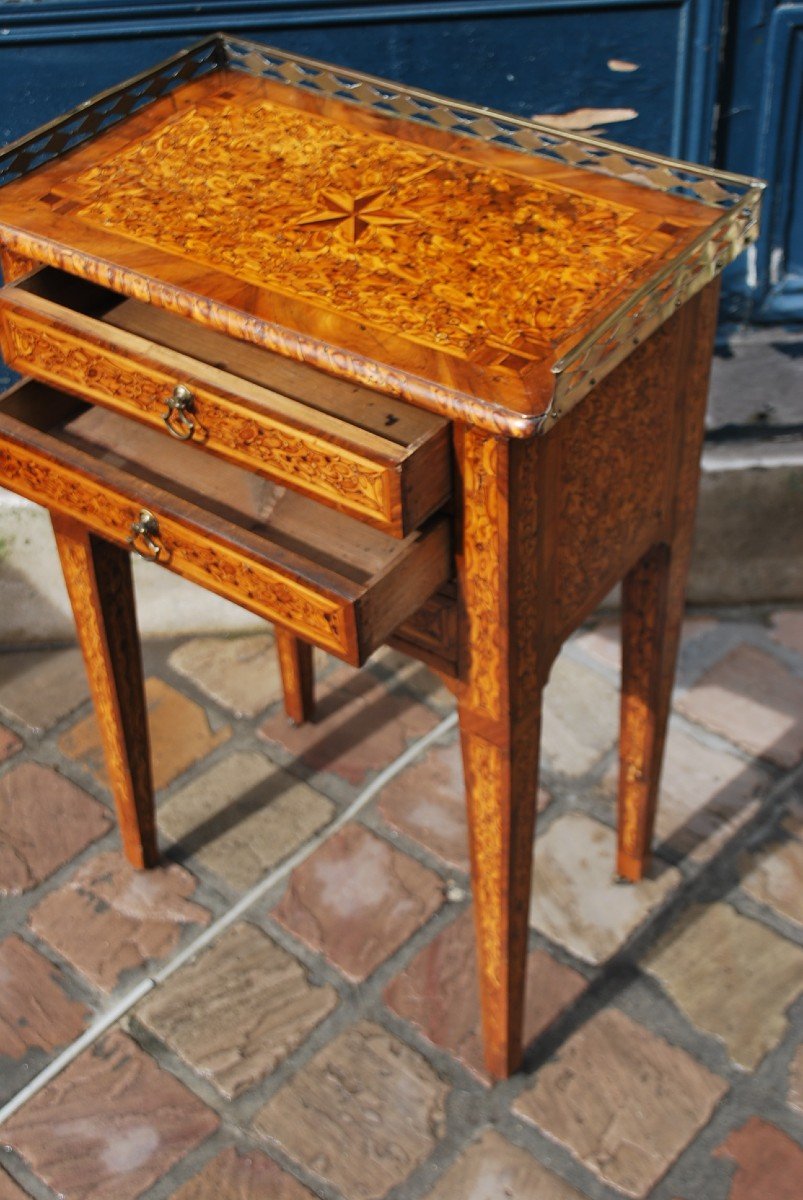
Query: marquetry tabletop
x,y
449,256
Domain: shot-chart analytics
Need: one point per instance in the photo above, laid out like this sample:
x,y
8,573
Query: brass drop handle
x,y
177,416
146,528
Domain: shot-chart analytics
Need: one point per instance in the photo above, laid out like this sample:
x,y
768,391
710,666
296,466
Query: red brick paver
x,y
360,727
9,1190
438,993
110,1125
242,1175
35,1010
9,743
109,918
357,899
362,1114
624,1101
45,820
427,801
180,736
769,1165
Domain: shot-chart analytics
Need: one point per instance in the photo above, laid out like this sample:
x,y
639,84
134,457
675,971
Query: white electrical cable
x,y
127,1002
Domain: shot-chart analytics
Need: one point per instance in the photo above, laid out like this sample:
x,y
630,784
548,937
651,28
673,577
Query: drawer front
x,y
388,486
324,619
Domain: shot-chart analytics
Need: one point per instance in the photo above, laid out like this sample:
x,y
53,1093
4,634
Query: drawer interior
x,y
328,539
400,424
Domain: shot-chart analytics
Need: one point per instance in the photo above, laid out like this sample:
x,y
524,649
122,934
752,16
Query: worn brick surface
x,y
9,1190
575,900
581,717
795,1094
753,700
109,1125
179,729
9,743
39,688
109,919
243,816
769,1165
241,673
493,1169
360,727
622,1100
787,628
706,796
361,1115
242,1175
45,820
732,976
774,876
238,1010
357,899
35,1011
437,992
427,802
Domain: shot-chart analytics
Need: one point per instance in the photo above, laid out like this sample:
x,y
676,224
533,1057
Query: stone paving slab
x,y
40,688
336,1055
437,992
238,1010
360,726
733,977
109,919
576,900
9,743
242,816
362,1114
180,734
45,820
624,1101
238,1175
110,1125
492,1168
35,1011
357,899
753,700
769,1165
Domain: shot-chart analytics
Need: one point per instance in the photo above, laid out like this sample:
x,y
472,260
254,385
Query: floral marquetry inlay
x,y
390,234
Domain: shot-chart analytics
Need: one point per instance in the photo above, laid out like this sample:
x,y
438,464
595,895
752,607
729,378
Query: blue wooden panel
x,y
761,133
525,56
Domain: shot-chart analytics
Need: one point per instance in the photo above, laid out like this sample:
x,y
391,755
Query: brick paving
x,y
323,1042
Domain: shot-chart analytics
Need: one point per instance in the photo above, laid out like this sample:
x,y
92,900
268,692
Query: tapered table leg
x,y
499,706
98,578
298,678
653,603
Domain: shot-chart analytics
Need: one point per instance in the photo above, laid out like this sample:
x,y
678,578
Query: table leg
x,y
653,602
298,678
499,697
98,578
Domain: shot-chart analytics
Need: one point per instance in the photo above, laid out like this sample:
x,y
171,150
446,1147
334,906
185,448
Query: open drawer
x,y
324,576
378,459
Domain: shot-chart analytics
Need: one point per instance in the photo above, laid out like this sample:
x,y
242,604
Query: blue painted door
x,y
653,73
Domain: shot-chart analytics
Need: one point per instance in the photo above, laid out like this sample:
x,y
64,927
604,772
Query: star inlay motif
x,y
351,216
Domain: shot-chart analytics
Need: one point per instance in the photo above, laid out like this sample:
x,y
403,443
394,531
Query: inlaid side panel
x,y
613,463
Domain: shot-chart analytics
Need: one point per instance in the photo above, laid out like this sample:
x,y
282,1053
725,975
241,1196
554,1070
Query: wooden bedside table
x,y
449,370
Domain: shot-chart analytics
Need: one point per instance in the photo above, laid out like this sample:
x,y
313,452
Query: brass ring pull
x,y
146,528
177,419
